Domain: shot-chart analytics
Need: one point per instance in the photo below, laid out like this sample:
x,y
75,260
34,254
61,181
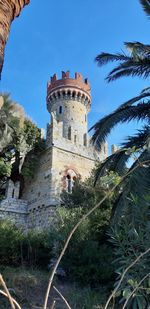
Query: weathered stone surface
x,y
14,210
9,9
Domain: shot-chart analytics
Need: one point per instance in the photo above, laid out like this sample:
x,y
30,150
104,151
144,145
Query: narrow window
x,y
75,138
74,180
69,184
85,139
60,109
85,117
69,133
13,193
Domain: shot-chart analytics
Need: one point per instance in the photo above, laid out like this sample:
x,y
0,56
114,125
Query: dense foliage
x,y
20,143
20,249
85,260
131,238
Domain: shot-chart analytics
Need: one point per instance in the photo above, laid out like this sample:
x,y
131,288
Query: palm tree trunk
x,y
9,9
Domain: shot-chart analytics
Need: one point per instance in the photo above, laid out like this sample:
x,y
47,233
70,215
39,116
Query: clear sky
x,y
51,36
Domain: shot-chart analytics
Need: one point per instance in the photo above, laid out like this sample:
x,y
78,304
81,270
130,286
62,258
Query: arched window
x,y
70,178
69,184
85,139
60,109
69,133
74,179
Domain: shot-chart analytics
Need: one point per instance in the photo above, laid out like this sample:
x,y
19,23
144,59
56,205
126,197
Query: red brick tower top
x,y
76,87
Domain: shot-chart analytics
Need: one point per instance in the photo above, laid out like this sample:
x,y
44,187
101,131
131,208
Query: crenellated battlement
x,y
77,89
67,81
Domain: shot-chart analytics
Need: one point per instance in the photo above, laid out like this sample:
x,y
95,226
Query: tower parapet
x,y
75,89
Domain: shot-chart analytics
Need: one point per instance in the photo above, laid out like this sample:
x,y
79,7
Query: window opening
x,y
69,184
75,138
60,109
69,133
85,139
13,193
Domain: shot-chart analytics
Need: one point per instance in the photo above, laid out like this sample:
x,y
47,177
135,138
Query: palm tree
x,y
134,63
8,11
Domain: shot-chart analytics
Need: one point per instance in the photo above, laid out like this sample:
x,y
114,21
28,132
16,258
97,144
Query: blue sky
x,y
51,36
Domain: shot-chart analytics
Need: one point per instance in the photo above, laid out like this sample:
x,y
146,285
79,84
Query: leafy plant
x,y
131,237
85,259
20,143
29,249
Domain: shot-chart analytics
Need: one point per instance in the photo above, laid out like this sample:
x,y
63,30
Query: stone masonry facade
x,y
69,155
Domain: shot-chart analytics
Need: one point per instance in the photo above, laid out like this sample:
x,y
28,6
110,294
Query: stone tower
x,y
69,154
68,101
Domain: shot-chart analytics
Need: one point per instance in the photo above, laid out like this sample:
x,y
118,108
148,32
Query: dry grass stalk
x,y
62,297
14,301
7,292
53,304
77,225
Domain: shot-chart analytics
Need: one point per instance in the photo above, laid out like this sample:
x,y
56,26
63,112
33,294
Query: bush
x,y
10,243
32,249
131,237
85,259
37,249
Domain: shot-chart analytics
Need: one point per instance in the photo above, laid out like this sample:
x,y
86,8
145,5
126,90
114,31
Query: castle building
x,y
69,154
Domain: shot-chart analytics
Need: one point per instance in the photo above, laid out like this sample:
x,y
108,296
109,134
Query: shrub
x,y
10,243
37,248
32,249
85,259
131,237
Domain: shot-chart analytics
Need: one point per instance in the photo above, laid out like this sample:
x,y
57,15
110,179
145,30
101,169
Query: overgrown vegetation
x,y
20,249
131,237
20,143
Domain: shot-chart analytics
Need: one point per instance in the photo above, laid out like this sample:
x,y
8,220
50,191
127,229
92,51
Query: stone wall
x,y
14,210
41,217
37,190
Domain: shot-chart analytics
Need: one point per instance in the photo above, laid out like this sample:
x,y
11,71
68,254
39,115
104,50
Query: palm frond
x,y
115,162
104,58
138,49
139,140
147,89
146,6
145,93
104,126
139,67
136,184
